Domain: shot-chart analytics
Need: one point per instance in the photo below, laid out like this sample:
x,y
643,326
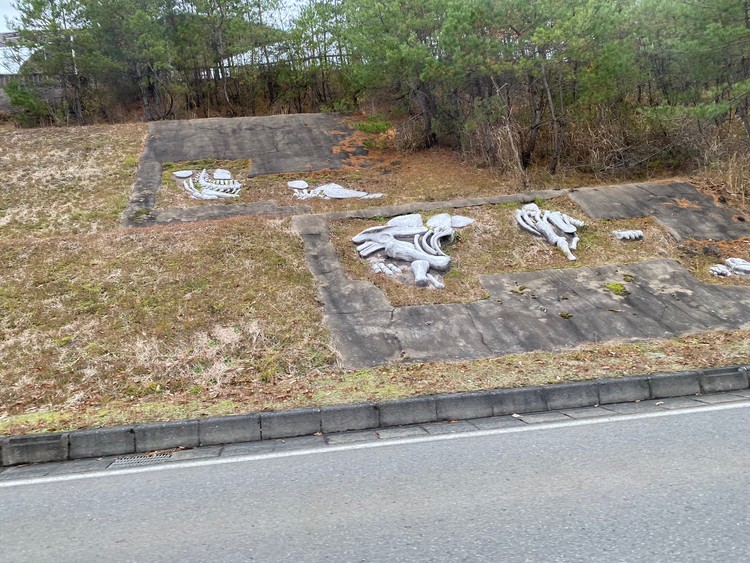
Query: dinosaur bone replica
x,y
327,191
220,186
730,267
407,238
547,224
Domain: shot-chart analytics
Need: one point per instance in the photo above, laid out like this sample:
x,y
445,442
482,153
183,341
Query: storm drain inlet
x,y
138,460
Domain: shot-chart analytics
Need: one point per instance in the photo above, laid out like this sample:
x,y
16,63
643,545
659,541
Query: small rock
x,y
712,250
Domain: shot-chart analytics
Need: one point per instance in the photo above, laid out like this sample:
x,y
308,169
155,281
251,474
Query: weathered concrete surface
x,y
216,212
274,144
544,310
677,206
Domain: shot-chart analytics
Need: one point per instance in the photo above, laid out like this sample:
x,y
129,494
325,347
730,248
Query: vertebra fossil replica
x,y
545,224
408,239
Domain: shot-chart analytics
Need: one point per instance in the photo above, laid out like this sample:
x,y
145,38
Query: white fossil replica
x,y
220,186
628,235
409,239
547,224
327,191
730,267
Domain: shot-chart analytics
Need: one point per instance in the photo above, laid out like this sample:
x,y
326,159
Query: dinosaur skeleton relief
x,y
328,191
220,186
408,239
546,224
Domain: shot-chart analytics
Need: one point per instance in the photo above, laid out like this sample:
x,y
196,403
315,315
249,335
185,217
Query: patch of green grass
x,y
373,125
617,289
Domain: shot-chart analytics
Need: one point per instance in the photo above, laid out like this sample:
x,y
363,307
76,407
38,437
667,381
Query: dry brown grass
x,y
329,386
203,309
65,180
102,326
436,175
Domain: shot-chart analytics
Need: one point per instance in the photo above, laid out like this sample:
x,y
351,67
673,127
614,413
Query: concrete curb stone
x,y
102,442
35,448
571,395
344,418
414,410
287,424
229,429
623,390
463,405
675,384
166,435
514,401
125,440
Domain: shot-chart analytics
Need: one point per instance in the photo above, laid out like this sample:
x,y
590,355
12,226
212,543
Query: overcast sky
x,y
5,11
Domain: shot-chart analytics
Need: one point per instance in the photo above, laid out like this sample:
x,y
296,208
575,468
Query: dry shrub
x,y
724,164
409,135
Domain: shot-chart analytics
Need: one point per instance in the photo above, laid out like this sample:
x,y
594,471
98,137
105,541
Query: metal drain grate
x,y
138,460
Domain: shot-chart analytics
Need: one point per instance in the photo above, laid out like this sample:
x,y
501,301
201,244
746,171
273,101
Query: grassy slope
x,y
101,325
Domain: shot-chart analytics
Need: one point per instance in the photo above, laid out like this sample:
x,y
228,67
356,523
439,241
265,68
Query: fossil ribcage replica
x,y
408,239
220,186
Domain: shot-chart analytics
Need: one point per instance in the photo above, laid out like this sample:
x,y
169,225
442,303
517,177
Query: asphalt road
x,y
658,487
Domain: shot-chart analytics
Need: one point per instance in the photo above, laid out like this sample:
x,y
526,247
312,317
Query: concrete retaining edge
x,y
125,440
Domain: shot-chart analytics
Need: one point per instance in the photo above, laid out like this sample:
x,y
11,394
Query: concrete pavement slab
x,y
496,422
678,206
637,407
437,332
275,144
401,432
448,427
718,398
678,403
543,417
351,437
587,412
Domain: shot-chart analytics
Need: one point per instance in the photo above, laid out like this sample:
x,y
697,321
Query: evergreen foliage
x,y
590,83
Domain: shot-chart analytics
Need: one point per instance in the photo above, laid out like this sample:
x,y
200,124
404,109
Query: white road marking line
x,y
375,443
